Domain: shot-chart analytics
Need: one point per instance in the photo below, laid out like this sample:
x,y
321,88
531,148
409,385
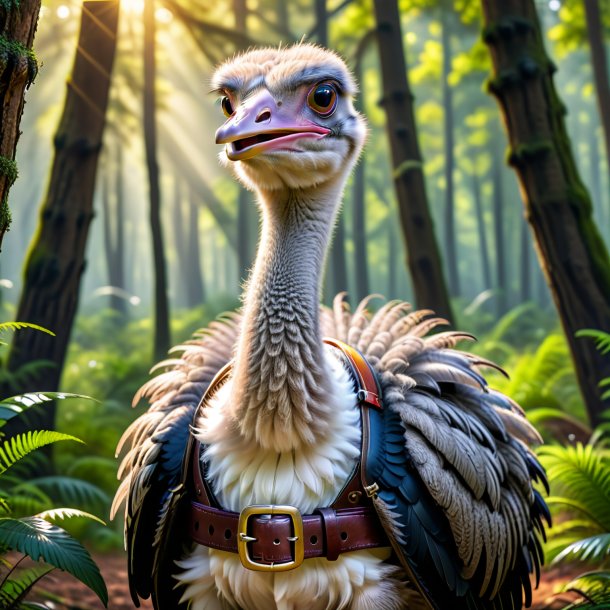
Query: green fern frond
x,y
18,446
602,339
15,405
5,326
15,589
69,491
594,587
593,548
582,475
67,513
40,539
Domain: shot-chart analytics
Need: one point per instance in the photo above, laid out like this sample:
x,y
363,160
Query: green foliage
x,y
20,445
41,540
594,587
580,483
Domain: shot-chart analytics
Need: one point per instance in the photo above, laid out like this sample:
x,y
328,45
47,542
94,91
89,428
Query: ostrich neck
x,y
281,384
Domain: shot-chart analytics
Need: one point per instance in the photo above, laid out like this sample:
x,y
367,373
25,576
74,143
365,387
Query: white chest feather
x,y
242,474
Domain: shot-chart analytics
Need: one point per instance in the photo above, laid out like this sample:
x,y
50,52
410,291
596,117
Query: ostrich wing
x,y
152,467
451,461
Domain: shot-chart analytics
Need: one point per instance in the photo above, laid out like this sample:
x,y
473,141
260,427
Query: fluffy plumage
x,y
449,456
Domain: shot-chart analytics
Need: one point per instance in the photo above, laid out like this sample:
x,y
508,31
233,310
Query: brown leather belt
x,y
277,538
269,540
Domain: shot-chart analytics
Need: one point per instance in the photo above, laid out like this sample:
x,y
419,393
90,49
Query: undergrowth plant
x,y
35,536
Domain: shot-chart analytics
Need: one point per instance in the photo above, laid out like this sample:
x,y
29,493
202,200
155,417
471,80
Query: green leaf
x,y
15,405
17,447
69,491
4,326
40,539
602,339
67,513
15,589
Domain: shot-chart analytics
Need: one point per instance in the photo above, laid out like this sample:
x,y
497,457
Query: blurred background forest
x,y
196,249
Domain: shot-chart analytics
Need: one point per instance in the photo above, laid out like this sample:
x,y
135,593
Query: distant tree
x,y
361,273
56,259
599,60
337,273
451,254
161,299
114,229
424,261
557,205
18,67
195,292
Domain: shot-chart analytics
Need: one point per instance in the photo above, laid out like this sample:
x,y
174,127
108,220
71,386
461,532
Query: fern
x,y
18,446
602,339
68,490
14,590
40,539
594,588
67,513
14,326
16,405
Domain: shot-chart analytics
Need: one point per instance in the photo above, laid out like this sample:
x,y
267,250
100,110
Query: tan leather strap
x,y
326,534
368,392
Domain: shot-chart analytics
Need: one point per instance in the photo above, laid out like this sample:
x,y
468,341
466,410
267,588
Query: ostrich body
x,y
456,498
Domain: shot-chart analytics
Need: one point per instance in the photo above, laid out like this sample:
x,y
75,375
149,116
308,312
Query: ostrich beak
x,y
261,124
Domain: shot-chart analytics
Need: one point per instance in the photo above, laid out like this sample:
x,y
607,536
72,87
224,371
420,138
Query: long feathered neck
x,y
281,383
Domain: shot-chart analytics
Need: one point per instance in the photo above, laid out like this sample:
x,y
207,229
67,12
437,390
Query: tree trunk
x,y
161,305
56,257
195,286
196,181
525,281
18,68
482,233
244,210
180,246
423,257
114,228
451,255
600,67
558,208
359,237
499,232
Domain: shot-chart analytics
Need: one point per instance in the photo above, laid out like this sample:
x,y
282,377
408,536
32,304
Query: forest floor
x,y
76,596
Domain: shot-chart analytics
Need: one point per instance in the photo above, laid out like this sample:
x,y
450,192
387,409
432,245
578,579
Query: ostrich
x,y
274,470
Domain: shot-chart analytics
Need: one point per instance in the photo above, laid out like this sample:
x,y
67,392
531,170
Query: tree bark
x,y
525,280
56,257
599,60
359,237
499,232
18,68
423,257
244,211
449,146
557,205
482,233
181,262
195,286
114,231
161,304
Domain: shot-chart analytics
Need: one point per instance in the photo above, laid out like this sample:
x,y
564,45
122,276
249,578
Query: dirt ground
x,y
77,597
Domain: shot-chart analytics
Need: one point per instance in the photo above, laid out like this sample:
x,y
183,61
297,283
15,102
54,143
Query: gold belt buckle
x,y
297,537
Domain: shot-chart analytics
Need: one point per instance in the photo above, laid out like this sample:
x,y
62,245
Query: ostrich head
x,y
290,119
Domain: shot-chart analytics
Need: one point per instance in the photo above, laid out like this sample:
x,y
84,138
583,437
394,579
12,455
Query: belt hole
x,y
211,529
227,534
343,535
196,526
276,541
313,540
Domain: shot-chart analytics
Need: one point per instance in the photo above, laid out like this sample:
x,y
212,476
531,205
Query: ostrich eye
x,y
226,105
322,99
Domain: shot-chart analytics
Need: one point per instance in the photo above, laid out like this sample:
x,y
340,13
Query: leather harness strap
x,y
269,541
